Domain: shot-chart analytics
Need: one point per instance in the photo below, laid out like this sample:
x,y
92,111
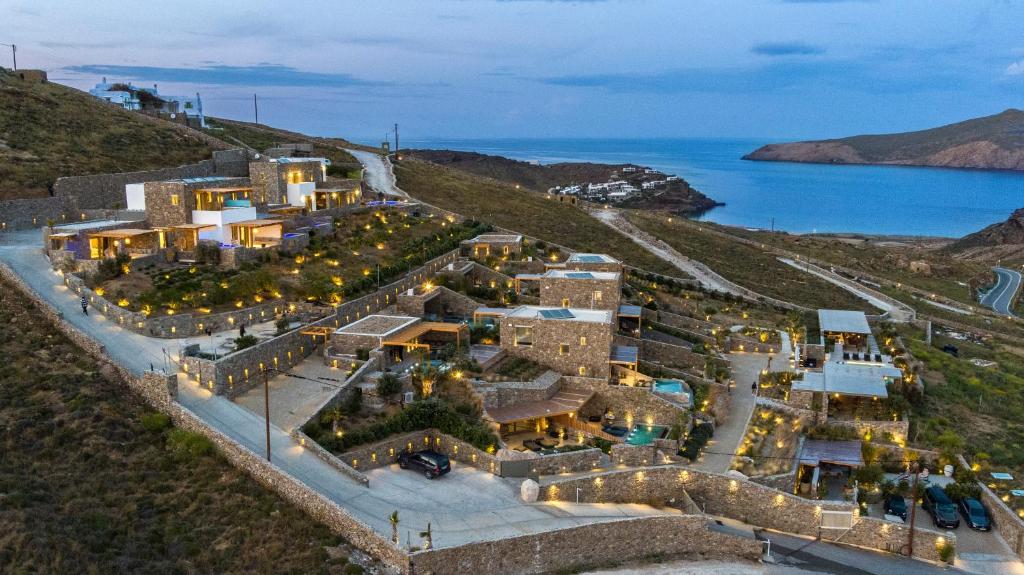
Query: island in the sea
x,y
991,142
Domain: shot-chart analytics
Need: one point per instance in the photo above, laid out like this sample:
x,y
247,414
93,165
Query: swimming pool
x,y
673,386
645,434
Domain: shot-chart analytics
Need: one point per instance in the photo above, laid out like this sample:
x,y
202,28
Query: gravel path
x,y
379,173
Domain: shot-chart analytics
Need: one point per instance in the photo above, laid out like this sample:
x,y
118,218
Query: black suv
x,y
432,463
940,507
975,514
896,505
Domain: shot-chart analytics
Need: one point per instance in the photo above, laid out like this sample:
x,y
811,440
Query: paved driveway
x,y
472,505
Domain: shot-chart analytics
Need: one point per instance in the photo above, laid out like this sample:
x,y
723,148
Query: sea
x,y
794,197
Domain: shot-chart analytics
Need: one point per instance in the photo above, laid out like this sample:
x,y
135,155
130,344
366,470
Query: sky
x,y
769,69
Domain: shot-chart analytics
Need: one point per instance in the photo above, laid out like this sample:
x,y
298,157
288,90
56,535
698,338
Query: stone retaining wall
x,y
629,404
898,429
386,452
100,191
590,546
738,499
568,462
34,212
305,441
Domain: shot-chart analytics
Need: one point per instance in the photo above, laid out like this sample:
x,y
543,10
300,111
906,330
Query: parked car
x,y
941,508
975,513
432,463
896,505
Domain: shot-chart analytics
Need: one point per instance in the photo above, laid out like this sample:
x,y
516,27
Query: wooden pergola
x,y
189,234
409,337
317,331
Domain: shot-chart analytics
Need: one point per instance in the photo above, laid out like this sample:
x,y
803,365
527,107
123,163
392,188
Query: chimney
x,y
104,79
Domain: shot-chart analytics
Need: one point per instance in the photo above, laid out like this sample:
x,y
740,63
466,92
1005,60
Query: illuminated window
x,y
583,340
583,370
563,349
565,302
174,199
524,335
505,250
597,295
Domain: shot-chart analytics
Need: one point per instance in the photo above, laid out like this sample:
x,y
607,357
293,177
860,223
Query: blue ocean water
x,y
801,198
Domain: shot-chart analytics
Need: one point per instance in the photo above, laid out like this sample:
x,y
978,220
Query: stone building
x,y
581,289
571,341
287,180
493,244
593,263
203,207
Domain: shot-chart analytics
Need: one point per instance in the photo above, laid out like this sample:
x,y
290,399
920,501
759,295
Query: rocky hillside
x,y
48,130
990,142
677,197
1004,240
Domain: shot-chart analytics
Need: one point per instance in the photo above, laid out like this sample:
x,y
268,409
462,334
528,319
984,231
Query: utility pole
x,y
256,108
266,408
913,509
14,55
396,140
773,224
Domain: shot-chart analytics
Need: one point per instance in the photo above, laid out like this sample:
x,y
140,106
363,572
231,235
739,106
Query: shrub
x,y
354,403
362,354
188,445
353,569
946,551
282,325
155,421
958,491
869,475
245,341
388,385
696,441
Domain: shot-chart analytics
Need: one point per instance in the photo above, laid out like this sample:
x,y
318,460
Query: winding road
x,y
1000,297
378,173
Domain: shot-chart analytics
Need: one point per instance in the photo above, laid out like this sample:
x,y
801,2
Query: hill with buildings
x,y
48,130
990,142
627,185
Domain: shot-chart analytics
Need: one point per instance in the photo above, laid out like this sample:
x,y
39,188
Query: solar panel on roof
x,y
556,314
580,275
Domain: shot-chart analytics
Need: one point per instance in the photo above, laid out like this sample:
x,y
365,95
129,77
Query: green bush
x,y
353,569
185,444
388,385
958,491
245,341
946,552
696,441
155,421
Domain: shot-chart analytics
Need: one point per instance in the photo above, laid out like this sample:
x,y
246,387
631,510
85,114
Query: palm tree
x,y
393,518
428,540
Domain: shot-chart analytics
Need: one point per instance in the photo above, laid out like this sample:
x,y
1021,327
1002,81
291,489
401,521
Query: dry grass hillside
x,y
503,205
49,130
93,481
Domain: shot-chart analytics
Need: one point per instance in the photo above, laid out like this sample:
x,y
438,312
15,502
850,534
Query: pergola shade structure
x,y
257,233
109,243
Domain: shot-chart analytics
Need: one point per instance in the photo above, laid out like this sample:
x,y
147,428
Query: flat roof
x,y
492,311
257,223
578,275
624,354
416,330
818,451
192,226
562,314
121,233
225,190
859,379
202,179
561,403
496,237
592,259
377,325
630,311
843,321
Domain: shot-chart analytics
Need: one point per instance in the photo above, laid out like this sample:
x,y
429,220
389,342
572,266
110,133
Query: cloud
x,y
786,49
259,75
1015,69
851,75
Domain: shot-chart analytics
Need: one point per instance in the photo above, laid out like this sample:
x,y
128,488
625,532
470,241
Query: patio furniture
x,y
554,431
547,443
531,445
594,419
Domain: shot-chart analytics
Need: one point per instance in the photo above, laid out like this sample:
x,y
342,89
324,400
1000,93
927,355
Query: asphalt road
x,y
1000,297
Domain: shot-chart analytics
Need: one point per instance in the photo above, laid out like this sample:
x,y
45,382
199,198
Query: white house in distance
x,y
125,95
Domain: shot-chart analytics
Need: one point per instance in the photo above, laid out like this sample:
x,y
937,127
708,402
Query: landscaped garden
x,y
362,251
770,444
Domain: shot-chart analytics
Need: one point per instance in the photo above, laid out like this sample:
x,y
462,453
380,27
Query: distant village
x,y
632,182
